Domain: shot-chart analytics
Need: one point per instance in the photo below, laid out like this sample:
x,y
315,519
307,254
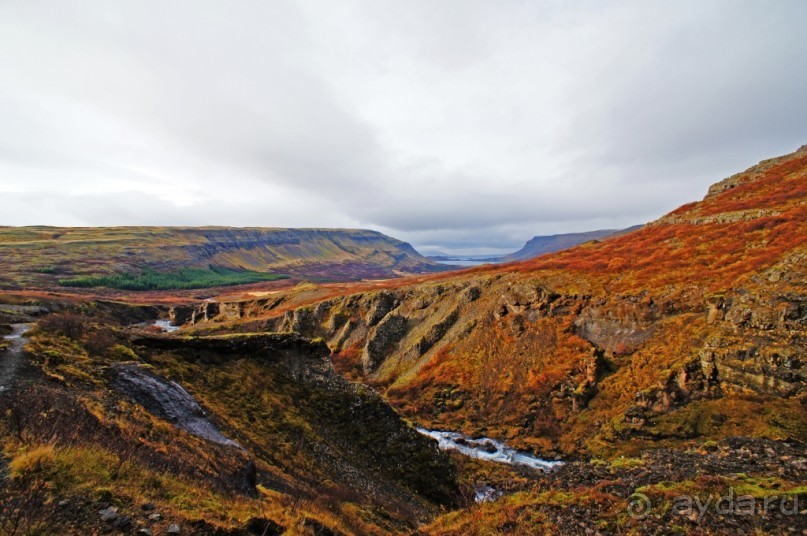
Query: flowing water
x,y
488,449
166,326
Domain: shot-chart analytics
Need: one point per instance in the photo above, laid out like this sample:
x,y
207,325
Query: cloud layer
x,y
456,125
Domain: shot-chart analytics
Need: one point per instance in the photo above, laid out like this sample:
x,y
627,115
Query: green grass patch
x,y
627,463
47,270
186,278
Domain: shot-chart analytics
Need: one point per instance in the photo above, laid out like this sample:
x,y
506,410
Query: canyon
x,y
663,362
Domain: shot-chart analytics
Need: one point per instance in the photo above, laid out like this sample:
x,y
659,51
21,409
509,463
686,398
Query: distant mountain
x,y
42,256
550,244
474,258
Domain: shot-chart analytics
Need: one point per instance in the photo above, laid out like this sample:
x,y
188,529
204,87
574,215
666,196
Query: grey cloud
x,y
454,124
129,208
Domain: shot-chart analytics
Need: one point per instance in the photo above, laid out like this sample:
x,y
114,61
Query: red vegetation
x,y
70,325
712,242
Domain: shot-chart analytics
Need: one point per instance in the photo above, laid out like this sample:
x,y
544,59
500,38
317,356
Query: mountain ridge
x,y
40,256
542,244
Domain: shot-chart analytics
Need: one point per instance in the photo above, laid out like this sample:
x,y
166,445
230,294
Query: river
x,y
488,449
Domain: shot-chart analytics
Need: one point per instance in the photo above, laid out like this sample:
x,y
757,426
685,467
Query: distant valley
x,y
536,246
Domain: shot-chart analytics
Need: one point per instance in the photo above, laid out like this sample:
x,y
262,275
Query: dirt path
x,y
13,362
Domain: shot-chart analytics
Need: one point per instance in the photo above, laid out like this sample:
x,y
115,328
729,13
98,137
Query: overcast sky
x,y
457,125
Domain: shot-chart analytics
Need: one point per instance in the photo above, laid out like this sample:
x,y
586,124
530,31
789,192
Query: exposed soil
x,y
13,362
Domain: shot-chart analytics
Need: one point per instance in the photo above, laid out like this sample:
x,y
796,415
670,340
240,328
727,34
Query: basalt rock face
x,y
299,354
180,314
170,401
758,331
382,341
207,311
755,342
167,400
621,329
126,313
271,346
393,329
225,311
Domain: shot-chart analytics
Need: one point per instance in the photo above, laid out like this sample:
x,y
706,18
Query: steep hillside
x,y
669,361
540,245
33,257
107,428
692,327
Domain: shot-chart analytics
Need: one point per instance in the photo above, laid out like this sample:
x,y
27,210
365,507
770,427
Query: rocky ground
x,y
735,486
732,469
103,517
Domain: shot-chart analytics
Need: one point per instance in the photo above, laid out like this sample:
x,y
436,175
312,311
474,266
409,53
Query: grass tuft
x,y
38,460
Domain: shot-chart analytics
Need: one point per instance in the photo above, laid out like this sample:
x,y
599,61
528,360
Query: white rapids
x,y
488,449
166,326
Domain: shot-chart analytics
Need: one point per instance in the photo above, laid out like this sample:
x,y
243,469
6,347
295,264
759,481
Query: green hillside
x,y
158,258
